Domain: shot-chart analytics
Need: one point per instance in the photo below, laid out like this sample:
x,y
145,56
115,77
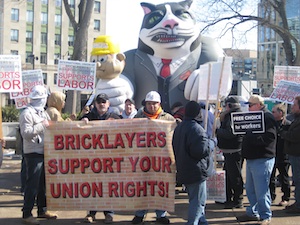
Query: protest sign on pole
x,y
217,90
287,73
76,75
112,164
30,79
10,73
241,122
285,91
10,78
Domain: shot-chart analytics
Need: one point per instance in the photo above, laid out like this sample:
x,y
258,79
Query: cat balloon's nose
x,y
170,23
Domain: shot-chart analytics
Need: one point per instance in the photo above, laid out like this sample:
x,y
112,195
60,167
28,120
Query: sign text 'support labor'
x,y
76,75
10,73
286,91
243,121
115,164
288,73
30,79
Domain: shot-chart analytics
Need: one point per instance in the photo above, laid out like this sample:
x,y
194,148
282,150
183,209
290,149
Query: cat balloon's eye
x,y
154,19
185,16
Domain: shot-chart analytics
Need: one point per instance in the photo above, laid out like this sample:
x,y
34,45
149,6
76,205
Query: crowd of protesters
x,y
276,148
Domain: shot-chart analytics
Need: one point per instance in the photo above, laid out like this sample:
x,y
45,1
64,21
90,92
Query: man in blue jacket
x,y
191,149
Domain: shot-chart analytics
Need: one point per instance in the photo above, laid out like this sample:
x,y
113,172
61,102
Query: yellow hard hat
x,y
104,45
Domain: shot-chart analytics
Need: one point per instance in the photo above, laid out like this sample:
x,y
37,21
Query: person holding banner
x,y
153,110
282,162
231,146
100,112
191,149
56,102
259,151
33,122
292,148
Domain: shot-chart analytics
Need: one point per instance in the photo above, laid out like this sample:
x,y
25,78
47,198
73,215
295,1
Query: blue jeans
x,y
35,186
295,162
159,213
197,202
258,173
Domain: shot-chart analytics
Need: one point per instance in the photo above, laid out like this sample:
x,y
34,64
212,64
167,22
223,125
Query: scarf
x,y
153,116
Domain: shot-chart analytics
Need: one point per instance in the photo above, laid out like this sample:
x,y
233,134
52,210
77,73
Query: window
x,y
58,3
57,39
14,35
55,78
29,36
56,58
43,38
72,4
43,58
29,57
29,16
70,40
97,25
57,20
44,18
45,78
14,52
14,14
97,7
44,2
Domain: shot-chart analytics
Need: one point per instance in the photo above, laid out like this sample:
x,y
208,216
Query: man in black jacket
x,y
259,151
191,149
282,162
231,146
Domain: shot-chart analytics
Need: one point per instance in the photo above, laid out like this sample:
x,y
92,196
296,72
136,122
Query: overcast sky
x,y
124,18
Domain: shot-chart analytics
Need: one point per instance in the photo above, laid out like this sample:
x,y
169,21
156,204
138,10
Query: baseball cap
x,y
254,99
102,96
153,96
232,99
131,100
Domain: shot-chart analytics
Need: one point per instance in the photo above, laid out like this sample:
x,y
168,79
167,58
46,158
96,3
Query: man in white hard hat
x,y
152,110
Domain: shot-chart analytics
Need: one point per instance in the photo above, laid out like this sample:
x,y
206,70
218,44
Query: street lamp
x,y
33,60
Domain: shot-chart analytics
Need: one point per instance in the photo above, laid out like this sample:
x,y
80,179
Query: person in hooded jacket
x,y
191,149
56,102
33,123
231,146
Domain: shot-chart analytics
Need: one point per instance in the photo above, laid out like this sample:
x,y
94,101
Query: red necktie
x,y
165,70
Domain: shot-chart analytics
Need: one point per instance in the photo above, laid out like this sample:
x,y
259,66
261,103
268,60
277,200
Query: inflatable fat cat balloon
x,y
169,53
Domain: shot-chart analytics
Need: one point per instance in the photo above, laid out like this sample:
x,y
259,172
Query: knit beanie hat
x,y
192,109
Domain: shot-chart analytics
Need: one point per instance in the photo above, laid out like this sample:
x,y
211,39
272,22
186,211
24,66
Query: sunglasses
x,y
251,104
101,101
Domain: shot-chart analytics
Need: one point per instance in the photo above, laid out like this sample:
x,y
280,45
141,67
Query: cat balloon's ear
x,y
186,4
147,7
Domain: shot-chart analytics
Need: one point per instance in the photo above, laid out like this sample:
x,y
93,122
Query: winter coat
x,y
191,150
94,115
261,145
292,138
227,141
32,130
55,104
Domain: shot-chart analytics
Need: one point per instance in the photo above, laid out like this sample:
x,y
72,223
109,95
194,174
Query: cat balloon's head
x,y
168,30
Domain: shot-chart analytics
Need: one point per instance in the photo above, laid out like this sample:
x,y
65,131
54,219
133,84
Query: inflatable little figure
x,y
110,64
169,54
